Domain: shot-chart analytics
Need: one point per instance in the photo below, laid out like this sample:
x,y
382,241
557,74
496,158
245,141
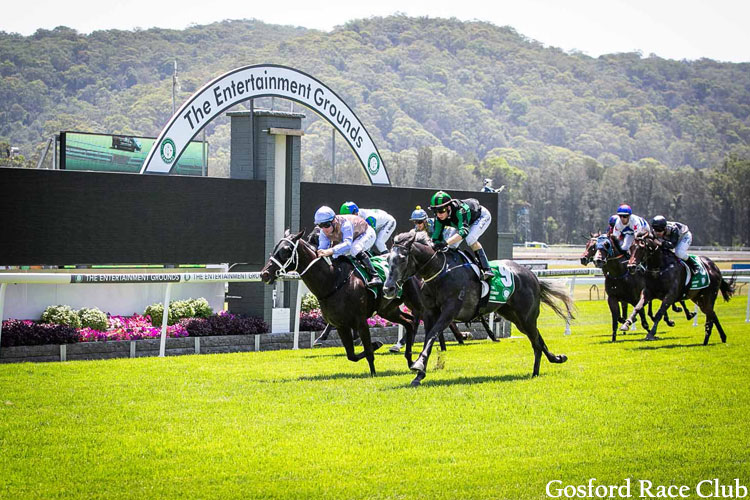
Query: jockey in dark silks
x,y
674,236
469,218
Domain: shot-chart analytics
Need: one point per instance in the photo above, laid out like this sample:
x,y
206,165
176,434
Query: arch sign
x,y
265,80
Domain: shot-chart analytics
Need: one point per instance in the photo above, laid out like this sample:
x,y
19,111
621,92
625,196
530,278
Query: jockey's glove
x,y
440,245
667,245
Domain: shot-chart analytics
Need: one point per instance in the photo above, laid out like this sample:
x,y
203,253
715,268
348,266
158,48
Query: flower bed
x,y
122,328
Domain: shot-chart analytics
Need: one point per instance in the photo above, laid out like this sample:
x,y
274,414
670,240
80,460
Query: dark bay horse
x,y
452,292
665,280
344,299
622,287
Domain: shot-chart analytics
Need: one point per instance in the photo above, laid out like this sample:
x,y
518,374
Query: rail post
x,y
164,318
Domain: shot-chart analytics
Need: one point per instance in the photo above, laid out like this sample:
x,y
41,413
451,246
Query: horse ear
x,y
298,235
591,235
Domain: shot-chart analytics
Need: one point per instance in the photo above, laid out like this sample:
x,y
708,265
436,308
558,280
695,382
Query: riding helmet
x,y
418,215
349,207
659,223
324,214
440,199
624,210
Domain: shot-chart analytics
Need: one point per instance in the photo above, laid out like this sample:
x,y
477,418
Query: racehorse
x,y
452,291
666,280
344,298
621,286
412,296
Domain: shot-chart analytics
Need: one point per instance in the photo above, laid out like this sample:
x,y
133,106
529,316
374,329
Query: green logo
x,y
373,164
167,150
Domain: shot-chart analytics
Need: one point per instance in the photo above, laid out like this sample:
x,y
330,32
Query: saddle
x,y
698,280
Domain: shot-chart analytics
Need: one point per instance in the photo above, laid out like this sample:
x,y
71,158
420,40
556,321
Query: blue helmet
x,y
349,207
612,221
418,215
324,214
624,210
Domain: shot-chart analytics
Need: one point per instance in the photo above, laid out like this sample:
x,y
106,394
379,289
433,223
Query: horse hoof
x,y
690,315
562,358
416,382
395,348
670,323
625,327
417,366
650,337
376,345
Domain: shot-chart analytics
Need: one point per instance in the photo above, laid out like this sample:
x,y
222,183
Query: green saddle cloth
x,y
380,264
700,279
502,285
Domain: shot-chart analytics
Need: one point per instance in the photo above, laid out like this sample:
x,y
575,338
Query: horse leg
x,y
441,340
323,336
645,298
688,313
345,334
446,316
486,326
369,348
624,315
529,328
456,333
644,322
665,304
614,311
668,321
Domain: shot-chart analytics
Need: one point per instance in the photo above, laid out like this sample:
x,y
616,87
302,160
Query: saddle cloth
x,y
380,264
500,288
699,280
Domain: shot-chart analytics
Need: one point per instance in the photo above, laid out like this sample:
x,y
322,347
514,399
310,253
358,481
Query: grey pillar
x,y
272,142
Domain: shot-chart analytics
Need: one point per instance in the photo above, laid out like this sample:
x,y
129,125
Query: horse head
x,y
590,249
400,266
644,245
284,257
604,250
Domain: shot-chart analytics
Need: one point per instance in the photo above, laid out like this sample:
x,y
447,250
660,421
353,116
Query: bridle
x,y
293,259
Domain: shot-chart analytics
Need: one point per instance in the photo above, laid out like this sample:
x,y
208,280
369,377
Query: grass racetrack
x,y
311,424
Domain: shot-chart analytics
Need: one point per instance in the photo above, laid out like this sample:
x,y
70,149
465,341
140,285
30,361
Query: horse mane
x,y
413,236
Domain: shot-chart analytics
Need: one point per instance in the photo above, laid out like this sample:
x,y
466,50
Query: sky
x,y
671,29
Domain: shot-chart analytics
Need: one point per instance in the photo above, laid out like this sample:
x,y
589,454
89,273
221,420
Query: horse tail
x,y
727,287
551,290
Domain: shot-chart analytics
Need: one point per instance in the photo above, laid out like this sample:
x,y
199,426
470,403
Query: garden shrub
x,y
180,309
93,318
202,308
309,303
196,327
24,332
61,315
311,321
156,313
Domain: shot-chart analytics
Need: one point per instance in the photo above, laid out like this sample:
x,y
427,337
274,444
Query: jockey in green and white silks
x,y
469,218
427,224
346,235
674,236
381,221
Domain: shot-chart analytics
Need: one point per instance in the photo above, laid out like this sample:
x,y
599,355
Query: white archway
x,y
263,80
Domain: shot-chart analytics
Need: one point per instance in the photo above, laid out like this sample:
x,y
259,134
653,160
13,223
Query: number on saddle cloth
x,y
502,285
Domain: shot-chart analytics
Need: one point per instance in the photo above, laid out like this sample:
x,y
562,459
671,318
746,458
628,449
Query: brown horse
x,y
665,280
344,298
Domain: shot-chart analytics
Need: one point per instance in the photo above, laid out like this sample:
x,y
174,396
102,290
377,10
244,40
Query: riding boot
x,y
364,259
693,266
484,264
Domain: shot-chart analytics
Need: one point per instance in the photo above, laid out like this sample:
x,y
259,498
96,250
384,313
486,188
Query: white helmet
x,y
324,214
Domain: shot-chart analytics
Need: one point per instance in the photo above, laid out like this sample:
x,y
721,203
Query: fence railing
x,y
580,276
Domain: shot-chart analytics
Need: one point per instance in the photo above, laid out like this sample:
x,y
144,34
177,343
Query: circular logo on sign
x,y
79,279
167,150
373,164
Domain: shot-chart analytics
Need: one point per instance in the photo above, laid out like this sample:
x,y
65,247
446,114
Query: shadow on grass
x,y
427,382
364,374
652,347
638,338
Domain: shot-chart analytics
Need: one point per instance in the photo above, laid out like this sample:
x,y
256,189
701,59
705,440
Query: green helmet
x,y
440,199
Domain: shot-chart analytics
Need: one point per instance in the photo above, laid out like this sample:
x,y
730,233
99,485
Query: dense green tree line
x,y
447,103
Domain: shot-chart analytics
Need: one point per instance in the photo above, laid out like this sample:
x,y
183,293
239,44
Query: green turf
x,y
310,424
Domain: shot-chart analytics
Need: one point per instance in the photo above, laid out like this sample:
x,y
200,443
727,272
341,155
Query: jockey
x,y
674,236
627,226
423,223
346,235
487,186
381,221
469,218
615,241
